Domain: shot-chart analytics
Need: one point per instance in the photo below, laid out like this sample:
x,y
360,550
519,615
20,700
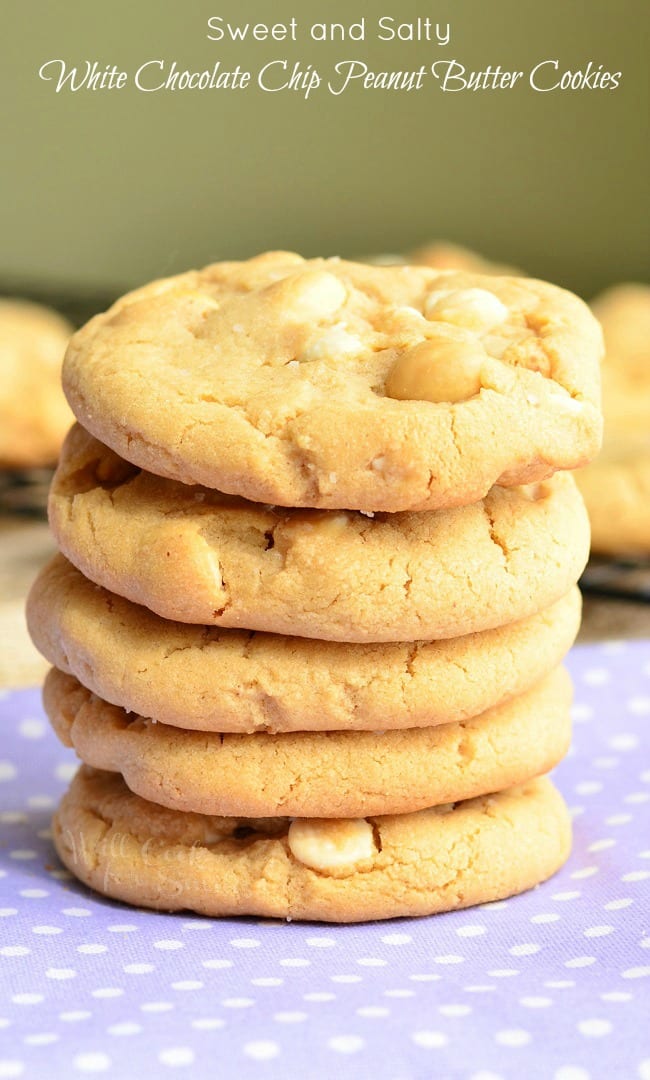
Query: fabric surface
x,y
553,984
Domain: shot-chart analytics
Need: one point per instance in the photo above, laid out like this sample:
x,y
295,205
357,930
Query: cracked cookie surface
x,y
194,555
316,774
212,679
433,860
274,379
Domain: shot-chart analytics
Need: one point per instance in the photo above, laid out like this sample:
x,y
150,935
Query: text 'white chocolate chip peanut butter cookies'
x,y
331,384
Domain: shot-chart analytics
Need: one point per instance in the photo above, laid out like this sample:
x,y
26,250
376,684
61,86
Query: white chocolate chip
x,y
532,399
378,463
475,309
309,295
237,328
333,478
437,370
293,364
332,344
329,844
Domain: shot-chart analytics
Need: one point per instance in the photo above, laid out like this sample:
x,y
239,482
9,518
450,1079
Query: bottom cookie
x,y
433,860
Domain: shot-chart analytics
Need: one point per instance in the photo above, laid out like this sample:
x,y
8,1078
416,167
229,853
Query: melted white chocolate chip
x,y
437,370
332,344
474,309
329,844
313,294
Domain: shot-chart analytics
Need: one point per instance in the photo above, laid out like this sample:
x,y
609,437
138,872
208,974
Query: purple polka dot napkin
x,y
553,984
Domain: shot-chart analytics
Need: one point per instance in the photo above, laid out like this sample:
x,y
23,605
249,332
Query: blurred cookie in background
x,y
443,255
616,487
34,415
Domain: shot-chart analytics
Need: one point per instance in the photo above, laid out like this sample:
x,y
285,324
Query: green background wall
x,y
102,190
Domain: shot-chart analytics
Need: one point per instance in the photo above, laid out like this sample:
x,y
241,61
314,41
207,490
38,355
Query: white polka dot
x,y
601,845
580,962
645,943
176,1055
503,973
23,854
121,928
535,1002
208,1023
7,911
645,776
34,894
644,1069
7,770
617,995
449,958
46,930
625,741
346,978
238,1003
289,1017
138,969
512,1037
580,711
563,897
168,944
40,802
196,924
61,973
618,819
598,931
454,1010
321,942
32,728
261,1050
635,798
156,1006
217,963
187,984
346,1044
107,992
27,999
559,984
479,989
638,706
44,1039
93,1061
636,973
125,1028
319,995
74,1015
584,872
571,1072
588,787
425,977
13,817
471,930
373,1012
594,1028
636,875
399,993
596,676
10,1067
267,981
430,1040
66,770
528,949
92,949
77,912
545,917
245,943
397,939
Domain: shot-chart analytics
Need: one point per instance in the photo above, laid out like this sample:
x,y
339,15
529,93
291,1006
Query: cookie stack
x,y
307,623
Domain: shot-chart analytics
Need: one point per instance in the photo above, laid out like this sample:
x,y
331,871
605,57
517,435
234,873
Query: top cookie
x,y
34,415
331,384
